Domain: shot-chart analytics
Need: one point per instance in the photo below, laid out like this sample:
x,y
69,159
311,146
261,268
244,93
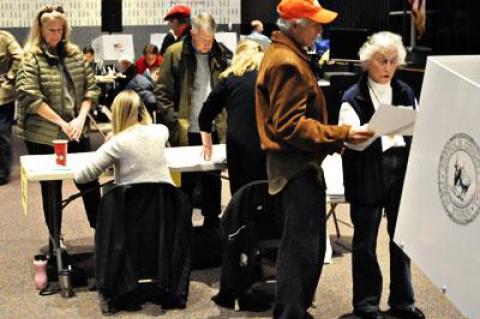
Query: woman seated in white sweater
x,y
136,149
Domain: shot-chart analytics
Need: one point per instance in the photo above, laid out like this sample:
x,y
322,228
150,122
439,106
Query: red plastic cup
x,y
61,150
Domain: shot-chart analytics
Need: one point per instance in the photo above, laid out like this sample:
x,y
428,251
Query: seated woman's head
x,y
381,54
128,110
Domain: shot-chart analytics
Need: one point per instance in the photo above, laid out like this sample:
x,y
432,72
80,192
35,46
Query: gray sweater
x,y
138,155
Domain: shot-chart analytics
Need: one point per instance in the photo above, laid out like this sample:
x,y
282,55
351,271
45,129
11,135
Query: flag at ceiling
x,y
419,15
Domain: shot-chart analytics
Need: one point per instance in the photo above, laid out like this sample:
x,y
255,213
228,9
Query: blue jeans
x,y
6,121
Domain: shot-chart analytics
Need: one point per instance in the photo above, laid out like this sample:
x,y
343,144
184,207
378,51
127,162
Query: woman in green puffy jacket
x,y
56,90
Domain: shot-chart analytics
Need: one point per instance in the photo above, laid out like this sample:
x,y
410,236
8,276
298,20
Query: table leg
x,y
55,207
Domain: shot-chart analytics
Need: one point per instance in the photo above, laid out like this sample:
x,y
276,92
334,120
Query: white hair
x,y
286,25
205,22
379,43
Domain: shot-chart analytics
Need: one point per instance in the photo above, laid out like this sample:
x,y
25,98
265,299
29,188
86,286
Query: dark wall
x,y
452,26
263,10
369,14
456,27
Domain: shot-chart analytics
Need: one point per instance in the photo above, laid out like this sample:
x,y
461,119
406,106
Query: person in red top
x,y
150,59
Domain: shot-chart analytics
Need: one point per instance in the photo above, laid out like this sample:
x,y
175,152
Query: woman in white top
x,y
136,149
373,178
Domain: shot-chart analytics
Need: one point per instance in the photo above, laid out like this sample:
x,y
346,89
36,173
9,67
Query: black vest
x,y
362,170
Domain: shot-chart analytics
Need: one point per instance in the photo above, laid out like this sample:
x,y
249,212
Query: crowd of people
x,y
264,99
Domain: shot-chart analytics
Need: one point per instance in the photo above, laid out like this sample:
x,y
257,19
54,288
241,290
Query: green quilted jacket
x,y
40,80
10,57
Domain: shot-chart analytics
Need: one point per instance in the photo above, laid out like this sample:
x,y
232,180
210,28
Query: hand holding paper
x,y
358,135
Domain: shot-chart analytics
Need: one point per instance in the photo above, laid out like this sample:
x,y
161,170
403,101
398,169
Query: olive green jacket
x,y
10,58
40,80
173,89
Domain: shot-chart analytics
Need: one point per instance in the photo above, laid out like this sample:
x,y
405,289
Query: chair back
x,y
253,206
144,231
249,221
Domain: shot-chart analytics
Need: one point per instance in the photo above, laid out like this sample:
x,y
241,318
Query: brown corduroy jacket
x,y
291,109
291,113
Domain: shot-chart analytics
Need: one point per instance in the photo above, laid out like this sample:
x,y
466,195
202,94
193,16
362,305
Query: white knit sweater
x,y
138,155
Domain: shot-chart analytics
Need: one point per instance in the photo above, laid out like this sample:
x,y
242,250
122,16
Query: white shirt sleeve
x,y
348,116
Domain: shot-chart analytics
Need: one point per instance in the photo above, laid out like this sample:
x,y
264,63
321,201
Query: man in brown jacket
x,y
291,114
10,58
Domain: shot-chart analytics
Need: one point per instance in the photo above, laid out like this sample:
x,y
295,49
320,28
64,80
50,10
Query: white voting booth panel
x,y
439,224
229,39
113,46
157,39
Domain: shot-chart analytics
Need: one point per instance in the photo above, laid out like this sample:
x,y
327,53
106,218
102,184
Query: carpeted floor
x,y
22,236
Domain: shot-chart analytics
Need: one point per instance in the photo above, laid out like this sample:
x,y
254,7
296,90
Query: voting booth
x,y
229,39
439,224
157,39
110,47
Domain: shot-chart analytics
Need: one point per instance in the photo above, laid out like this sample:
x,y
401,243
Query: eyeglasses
x,y
49,9
387,60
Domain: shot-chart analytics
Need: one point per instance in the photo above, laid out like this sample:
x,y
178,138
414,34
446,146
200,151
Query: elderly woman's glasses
x,y
387,60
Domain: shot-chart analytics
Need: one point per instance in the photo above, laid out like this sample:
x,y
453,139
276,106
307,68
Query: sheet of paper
x,y
393,120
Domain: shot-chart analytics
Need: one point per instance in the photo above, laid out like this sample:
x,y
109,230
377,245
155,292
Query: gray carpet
x,y
22,236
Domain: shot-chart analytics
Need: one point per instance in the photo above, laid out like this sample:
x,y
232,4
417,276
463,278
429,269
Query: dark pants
x,y
302,248
210,184
90,199
6,121
367,278
245,165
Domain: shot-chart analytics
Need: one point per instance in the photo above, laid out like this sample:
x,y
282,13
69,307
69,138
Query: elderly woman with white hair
x,y
373,175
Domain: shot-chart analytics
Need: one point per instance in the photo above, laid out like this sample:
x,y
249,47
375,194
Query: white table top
x,y
323,83
333,172
179,159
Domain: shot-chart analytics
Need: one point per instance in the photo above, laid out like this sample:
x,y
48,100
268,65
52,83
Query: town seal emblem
x,y
459,178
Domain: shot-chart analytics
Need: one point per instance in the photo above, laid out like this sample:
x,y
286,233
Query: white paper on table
x,y
189,157
393,120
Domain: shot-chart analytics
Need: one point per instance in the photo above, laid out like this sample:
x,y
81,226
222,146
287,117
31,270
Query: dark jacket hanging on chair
x,y
144,230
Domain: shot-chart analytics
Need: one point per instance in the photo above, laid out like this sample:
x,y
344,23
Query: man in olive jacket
x,y
10,58
291,117
191,69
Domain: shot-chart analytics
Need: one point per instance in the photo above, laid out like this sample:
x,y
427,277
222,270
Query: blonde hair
x,y
247,57
379,43
46,14
128,110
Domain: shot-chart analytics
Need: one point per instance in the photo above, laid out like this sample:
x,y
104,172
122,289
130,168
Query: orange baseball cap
x,y
306,9
178,11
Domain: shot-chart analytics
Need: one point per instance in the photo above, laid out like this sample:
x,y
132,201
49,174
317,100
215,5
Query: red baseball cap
x,y
306,9
178,12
